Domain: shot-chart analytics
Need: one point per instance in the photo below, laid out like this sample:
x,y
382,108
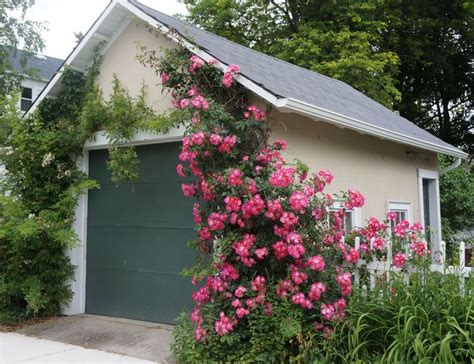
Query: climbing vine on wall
x,y
40,152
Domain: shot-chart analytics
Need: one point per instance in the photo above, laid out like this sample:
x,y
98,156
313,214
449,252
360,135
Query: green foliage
x,y
33,267
457,199
346,55
434,40
40,153
121,117
15,32
430,321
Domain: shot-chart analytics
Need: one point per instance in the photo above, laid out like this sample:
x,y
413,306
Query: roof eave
x,y
293,105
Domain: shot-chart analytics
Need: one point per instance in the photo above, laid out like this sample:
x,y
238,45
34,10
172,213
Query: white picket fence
x,y
378,269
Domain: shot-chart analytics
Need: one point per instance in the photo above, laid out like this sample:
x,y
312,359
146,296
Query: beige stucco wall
x,y
121,59
382,170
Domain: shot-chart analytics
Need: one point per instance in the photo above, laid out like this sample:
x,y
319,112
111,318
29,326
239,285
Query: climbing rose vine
x,y
275,267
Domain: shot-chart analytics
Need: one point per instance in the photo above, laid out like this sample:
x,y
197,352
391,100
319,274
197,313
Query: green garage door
x,y
136,240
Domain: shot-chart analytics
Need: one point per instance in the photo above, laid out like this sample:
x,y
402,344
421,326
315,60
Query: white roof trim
x,y
283,104
100,140
363,127
72,56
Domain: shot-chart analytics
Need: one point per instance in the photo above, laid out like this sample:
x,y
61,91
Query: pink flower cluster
x,y
224,325
255,112
355,199
282,177
229,75
399,260
196,63
299,201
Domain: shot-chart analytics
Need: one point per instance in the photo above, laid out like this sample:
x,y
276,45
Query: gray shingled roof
x,y
286,80
43,67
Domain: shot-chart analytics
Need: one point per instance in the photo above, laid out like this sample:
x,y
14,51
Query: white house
x,y
37,72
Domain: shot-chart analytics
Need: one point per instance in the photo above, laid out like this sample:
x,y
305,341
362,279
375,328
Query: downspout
x,y
454,165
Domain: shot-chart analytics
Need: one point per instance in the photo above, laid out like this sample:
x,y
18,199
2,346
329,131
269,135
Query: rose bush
x,y
276,266
278,260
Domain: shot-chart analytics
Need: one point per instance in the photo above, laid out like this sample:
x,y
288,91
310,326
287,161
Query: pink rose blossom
x,y
298,277
355,199
261,253
327,311
274,209
180,170
399,260
353,256
184,103
280,250
232,204
196,63
316,290
253,207
216,221
199,334
241,312
282,177
280,144
298,201
239,292
235,178
164,78
296,250
188,189
224,325
316,263
392,215
233,68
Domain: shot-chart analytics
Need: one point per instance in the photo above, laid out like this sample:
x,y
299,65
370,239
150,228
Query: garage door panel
x,y
151,169
137,239
142,249
137,295
159,205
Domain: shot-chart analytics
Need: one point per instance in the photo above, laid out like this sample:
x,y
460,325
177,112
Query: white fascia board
x,y
102,141
72,56
343,121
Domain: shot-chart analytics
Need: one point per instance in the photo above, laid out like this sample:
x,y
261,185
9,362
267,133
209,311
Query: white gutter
x,y
454,165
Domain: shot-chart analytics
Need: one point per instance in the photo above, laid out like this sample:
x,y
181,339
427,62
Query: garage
x,y
137,239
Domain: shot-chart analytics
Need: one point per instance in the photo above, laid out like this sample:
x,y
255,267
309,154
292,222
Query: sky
x,y
65,17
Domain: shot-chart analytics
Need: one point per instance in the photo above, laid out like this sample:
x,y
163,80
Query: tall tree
x,y
411,55
16,32
434,40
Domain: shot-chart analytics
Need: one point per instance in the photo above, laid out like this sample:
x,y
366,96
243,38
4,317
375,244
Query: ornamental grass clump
x,y
275,273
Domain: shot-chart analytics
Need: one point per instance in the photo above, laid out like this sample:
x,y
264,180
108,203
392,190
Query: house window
x,y
26,98
403,211
352,219
430,213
